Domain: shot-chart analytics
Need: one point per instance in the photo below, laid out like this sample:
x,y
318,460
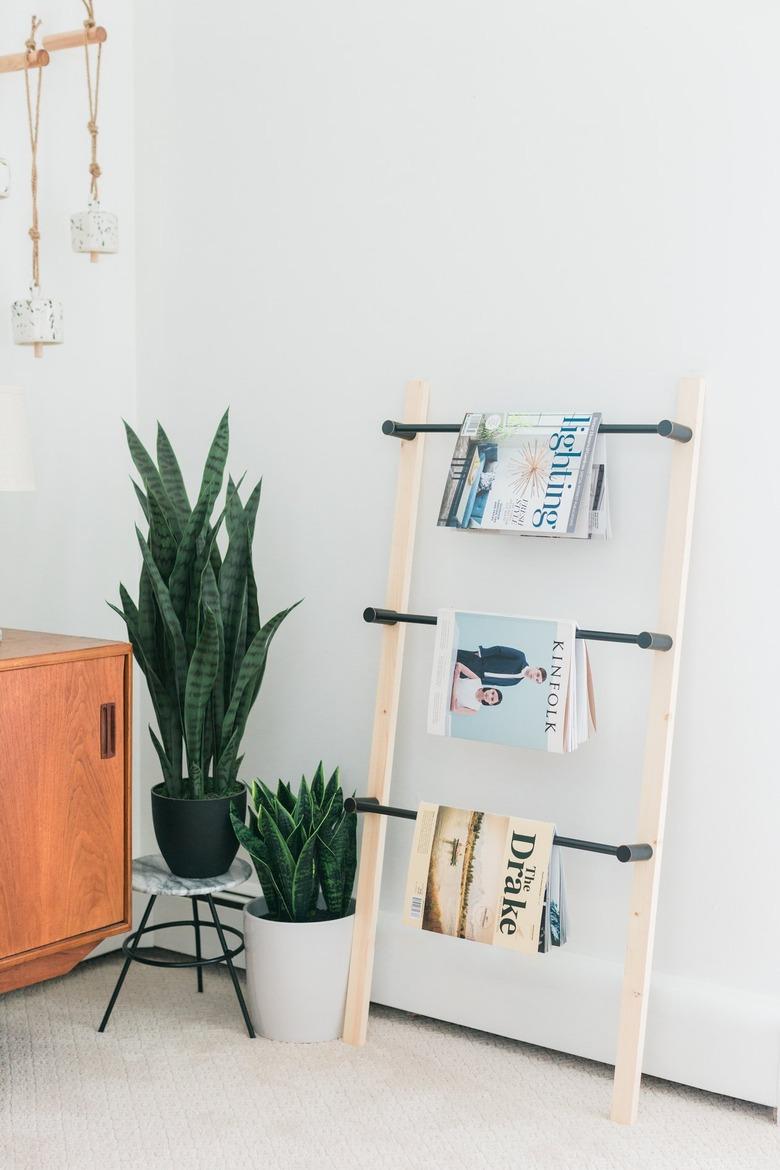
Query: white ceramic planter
x,y
94,231
297,975
37,320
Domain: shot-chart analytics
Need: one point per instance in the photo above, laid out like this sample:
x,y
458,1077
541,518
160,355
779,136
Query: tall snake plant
x,y
196,629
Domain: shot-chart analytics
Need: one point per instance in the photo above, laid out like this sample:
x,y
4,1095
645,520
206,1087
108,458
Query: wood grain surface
x,y
64,815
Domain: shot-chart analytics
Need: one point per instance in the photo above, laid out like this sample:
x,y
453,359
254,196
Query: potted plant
x,y
197,636
298,935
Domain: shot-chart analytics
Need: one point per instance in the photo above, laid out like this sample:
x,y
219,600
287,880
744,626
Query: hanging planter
x,y
94,230
35,320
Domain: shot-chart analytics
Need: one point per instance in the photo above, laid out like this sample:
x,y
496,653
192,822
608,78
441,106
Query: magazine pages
x,y
536,474
492,879
515,680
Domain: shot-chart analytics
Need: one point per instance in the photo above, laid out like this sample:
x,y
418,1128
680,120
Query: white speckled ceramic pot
x,y
94,231
37,320
5,179
296,974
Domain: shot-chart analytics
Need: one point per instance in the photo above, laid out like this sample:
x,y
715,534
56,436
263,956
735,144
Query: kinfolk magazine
x,y
488,878
533,474
501,678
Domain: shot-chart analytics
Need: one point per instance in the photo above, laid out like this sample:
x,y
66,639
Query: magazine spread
x,y
488,878
521,681
529,473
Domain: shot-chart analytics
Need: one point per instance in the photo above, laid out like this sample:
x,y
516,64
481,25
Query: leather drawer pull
x,y
107,731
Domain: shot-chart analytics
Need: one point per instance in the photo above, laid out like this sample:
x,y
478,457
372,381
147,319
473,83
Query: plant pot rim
x,y
158,791
248,909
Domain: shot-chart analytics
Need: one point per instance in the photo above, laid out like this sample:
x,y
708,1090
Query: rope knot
x,y
92,127
34,234
95,171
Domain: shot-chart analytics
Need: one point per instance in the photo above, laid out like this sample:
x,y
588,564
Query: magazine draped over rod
x,y
533,474
488,878
522,681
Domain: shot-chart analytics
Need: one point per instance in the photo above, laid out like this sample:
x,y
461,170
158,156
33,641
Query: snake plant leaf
x,y
334,856
165,763
195,606
280,859
171,476
214,469
252,667
318,785
251,506
263,796
142,498
185,555
200,681
226,763
285,821
304,808
332,787
150,477
209,591
285,796
148,618
350,861
195,784
161,539
171,621
256,850
233,585
304,887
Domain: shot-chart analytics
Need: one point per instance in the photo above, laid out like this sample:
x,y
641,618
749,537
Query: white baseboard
x,y
715,1038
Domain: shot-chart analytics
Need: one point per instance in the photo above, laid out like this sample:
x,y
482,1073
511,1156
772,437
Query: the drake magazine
x,y
488,878
515,680
533,474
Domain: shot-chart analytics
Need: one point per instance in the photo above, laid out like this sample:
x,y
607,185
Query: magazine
x,y
488,878
529,473
515,680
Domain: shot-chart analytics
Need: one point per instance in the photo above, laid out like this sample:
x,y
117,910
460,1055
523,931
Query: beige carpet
x,y
175,1083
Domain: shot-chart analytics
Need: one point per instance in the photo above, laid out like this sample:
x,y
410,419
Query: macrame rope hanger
x,y
34,122
93,98
36,319
93,231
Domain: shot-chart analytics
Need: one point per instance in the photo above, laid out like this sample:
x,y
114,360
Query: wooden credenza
x,y
65,801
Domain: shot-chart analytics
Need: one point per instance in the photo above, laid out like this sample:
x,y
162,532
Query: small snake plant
x,y
301,846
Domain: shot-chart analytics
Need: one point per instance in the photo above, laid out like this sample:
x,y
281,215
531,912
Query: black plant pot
x,y
196,837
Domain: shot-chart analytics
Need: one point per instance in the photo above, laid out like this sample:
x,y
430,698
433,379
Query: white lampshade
x,y
16,467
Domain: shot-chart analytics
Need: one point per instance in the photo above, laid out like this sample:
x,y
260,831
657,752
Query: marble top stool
x,y
152,876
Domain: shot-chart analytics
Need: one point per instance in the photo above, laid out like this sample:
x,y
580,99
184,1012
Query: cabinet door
x,y
62,802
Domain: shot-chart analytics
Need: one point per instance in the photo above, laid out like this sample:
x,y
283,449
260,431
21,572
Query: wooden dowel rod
x,y
15,62
73,40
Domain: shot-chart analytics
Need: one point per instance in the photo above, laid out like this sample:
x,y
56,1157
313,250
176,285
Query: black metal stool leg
x,y
127,963
197,942
230,966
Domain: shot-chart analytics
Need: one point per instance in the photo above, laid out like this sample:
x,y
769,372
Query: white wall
x,y
538,205
65,546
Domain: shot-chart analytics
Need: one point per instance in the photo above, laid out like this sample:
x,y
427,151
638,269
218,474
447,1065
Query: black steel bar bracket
x,y
646,640
665,429
624,853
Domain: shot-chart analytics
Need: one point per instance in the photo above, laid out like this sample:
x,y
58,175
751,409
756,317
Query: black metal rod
x,y
666,428
198,956
229,962
644,640
641,852
128,960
